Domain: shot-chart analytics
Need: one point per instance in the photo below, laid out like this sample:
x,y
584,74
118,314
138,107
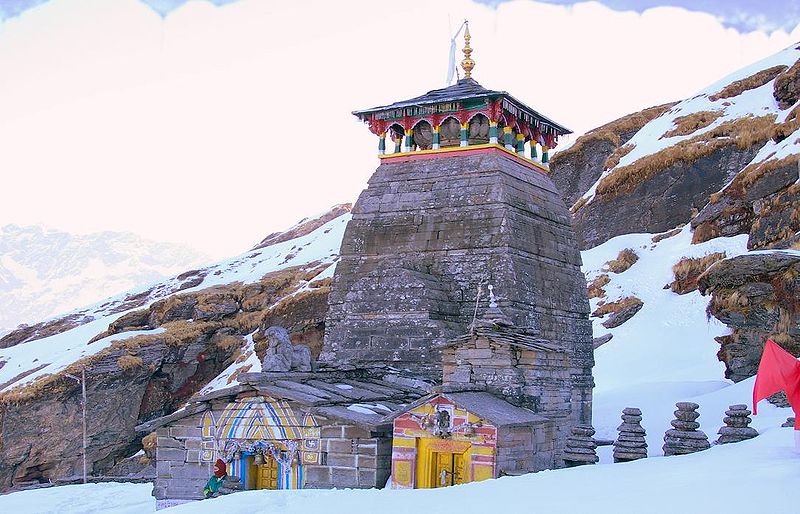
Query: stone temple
x,y
464,201
457,347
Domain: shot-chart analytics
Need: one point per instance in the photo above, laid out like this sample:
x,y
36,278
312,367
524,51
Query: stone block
x,y
327,432
177,455
339,446
344,477
343,460
181,432
367,478
366,461
353,432
317,476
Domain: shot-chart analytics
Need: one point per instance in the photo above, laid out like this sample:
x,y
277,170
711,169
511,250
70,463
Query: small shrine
x,y
463,117
282,431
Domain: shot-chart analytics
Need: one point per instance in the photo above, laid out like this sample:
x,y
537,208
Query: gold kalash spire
x,y
467,63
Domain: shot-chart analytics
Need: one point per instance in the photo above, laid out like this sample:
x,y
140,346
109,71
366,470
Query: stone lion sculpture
x,y
282,355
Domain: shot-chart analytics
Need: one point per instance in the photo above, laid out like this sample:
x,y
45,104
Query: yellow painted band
x,y
409,132
492,123
436,129
506,130
465,125
520,137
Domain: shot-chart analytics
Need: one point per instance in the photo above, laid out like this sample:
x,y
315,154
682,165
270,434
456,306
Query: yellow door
x,y
441,463
267,477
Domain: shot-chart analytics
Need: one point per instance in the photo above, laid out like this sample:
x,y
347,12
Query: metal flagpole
x,y
82,381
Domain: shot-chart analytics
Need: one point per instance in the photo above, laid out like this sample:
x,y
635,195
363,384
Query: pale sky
x,y
213,126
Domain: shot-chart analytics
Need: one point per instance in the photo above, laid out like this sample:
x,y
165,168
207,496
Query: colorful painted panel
x,y
260,418
434,432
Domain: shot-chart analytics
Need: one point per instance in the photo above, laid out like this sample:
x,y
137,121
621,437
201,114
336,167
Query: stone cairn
x,y
581,448
630,444
684,437
737,417
789,422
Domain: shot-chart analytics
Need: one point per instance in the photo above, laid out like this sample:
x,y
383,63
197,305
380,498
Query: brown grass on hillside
x,y
688,269
751,174
789,125
618,154
595,288
753,81
129,361
624,260
614,307
685,125
611,131
742,132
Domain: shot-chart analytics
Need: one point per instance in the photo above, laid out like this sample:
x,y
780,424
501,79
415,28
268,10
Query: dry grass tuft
x,y
615,307
753,81
742,132
625,259
128,362
685,125
611,132
595,289
618,154
688,269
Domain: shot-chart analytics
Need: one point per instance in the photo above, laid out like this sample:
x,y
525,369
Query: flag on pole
x,y
451,65
778,371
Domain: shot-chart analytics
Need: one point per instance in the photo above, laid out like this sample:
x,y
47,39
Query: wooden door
x,y
449,469
267,477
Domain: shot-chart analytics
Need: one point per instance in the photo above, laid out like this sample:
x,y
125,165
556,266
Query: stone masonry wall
x,y
179,472
537,380
426,233
353,458
526,449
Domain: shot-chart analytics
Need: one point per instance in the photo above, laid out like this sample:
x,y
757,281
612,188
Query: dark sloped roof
x,y
484,405
505,334
462,90
333,394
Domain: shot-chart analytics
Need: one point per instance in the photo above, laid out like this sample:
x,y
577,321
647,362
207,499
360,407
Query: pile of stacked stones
x,y
737,417
789,422
684,437
630,444
581,448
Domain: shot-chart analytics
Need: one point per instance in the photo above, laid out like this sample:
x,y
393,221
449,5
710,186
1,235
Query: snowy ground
x,y
664,354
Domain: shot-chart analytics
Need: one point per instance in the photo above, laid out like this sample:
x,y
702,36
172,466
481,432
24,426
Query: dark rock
x,y
736,425
580,448
623,315
597,342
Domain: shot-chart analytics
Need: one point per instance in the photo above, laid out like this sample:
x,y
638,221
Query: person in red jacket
x,y
214,483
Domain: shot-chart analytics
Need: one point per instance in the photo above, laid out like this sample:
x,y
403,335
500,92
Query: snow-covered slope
x,y
745,94
45,272
23,363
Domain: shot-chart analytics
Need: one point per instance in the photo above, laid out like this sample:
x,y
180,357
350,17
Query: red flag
x,y
778,371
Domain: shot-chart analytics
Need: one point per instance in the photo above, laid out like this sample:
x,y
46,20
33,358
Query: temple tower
x,y
462,200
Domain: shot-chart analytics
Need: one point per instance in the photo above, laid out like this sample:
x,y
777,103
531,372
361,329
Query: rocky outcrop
x,y
787,87
306,226
576,168
758,297
662,201
148,376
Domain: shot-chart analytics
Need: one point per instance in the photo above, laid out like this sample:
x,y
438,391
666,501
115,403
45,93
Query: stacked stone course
x,y
737,419
630,444
685,437
581,448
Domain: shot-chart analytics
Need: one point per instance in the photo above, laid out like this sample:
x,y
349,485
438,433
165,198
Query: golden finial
x,y
467,63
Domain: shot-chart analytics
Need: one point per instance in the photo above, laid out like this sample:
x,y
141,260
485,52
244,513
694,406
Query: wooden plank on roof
x,y
291,394
356,393
305,388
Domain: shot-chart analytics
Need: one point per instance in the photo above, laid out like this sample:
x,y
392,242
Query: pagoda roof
x,y
466,89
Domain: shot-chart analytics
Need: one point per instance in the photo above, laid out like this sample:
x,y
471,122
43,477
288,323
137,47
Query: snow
x,y
670,328
55,353
84,499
